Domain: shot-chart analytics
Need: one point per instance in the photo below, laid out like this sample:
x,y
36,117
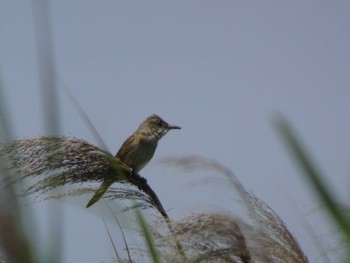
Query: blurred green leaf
x,y
313,175
148,237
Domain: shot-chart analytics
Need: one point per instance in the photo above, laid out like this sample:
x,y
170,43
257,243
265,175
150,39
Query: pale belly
x,y
141,156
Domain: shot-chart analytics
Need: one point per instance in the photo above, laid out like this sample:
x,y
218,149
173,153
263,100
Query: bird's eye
x,y
163,124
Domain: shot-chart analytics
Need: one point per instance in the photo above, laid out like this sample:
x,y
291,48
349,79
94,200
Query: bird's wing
x,y
125,149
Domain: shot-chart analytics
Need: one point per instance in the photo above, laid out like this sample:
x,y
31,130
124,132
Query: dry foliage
x,y
51,162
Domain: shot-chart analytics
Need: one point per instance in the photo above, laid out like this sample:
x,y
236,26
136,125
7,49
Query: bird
x,y
138,149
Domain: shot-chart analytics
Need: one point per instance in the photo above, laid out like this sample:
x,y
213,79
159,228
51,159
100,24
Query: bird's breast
x,y
141,155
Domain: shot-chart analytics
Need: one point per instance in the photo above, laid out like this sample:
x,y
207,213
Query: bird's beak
x,y
173,127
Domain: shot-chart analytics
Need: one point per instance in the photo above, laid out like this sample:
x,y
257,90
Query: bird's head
x,y
156,126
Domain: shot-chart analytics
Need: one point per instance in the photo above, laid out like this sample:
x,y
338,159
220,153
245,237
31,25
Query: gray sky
x,y
219,69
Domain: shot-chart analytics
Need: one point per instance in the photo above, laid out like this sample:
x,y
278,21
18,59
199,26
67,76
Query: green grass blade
x,y
121,230
84,117
15,243
148,237
313,175
111,239
5,131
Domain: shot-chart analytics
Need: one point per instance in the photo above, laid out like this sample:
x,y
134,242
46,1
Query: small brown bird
x,y
138,149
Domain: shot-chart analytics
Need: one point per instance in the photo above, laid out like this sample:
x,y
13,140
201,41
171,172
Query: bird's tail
x,y
99,192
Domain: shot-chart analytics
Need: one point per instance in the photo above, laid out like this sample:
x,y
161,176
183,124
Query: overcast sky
x,y
219,69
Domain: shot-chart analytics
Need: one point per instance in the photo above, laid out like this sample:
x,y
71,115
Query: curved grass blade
x,y
313,175
148,237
